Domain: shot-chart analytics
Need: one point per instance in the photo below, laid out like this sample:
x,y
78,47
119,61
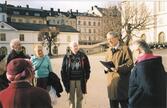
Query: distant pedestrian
x,y
118,76
75,73
147,85
42,65
20,93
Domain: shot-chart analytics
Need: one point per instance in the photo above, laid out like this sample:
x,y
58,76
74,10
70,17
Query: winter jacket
x,y
147,85
66,71
23,95
118,81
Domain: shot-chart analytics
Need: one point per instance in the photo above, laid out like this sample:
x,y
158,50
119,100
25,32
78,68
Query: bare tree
x,y
134,17
49,36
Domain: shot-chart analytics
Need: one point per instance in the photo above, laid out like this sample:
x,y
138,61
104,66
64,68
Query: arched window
x,y
161,37
55,50
39,38
3,51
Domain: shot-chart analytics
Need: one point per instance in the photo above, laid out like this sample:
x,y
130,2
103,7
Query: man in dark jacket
x,y
20,93
16,51
147,88
75,73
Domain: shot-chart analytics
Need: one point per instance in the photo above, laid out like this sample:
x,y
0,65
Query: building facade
x,y
156,31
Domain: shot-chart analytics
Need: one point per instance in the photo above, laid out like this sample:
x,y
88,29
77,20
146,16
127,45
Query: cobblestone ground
x,y
97,91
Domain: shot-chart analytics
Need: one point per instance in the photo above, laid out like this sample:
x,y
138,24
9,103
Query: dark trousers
x,y
42,82
115,103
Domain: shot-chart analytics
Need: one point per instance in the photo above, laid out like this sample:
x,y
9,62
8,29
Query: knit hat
x,y
19,68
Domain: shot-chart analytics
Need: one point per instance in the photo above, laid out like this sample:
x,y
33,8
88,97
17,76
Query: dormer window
x,y
27,13
36,14
16,12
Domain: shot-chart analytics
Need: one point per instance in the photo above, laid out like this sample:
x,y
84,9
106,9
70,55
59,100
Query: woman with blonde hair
x,y
42,67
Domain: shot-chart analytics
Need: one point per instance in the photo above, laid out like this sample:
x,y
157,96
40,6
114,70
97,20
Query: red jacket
x,y
23,95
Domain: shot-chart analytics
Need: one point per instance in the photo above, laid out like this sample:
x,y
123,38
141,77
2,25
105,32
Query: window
x,y
36,14
0,9
40,38
16,12
3,18
21,37
20,20
34,21
79,22
27,13
89,23
68,39
40,22
3,51
94,30
94,23
2,37
89,30
98,23
84,23
13,20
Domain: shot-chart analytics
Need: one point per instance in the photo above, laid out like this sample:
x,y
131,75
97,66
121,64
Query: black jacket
x,y
147,86
14,55
54,81
65,71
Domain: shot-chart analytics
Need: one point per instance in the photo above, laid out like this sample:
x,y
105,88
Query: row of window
x,y
27,21
84,30
89,23
3,37
27,13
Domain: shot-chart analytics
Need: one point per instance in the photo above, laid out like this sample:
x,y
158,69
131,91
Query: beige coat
x,y
118,81
2,66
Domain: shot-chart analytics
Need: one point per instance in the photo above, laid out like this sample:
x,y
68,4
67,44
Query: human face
x,y
17,46
113,41
74,48
39,52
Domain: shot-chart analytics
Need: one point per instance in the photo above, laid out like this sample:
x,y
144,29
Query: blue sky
x,y
64,5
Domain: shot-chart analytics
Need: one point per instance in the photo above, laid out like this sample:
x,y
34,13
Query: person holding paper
x,y
118,76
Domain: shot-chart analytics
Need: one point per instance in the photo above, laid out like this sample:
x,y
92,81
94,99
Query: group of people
x,y
138,79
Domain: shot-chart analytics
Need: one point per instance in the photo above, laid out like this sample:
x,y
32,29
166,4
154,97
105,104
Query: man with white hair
x,y
16,51
75,72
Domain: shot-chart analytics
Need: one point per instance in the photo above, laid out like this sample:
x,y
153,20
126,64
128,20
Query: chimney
x,y
51,9
41,8
27,6
70,10
77,12
58,10
5,2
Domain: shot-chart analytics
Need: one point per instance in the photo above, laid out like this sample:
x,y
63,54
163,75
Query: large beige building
x,y
157,31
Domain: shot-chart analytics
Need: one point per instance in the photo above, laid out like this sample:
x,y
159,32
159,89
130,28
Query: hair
x,y
38,47
72,43
13,43
112,34
143,45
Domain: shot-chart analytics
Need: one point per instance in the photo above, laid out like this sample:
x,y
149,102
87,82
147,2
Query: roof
x,y
38,27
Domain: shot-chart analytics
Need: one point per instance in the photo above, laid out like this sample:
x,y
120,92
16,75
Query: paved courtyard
x,y
97,91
